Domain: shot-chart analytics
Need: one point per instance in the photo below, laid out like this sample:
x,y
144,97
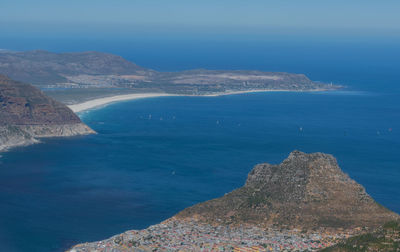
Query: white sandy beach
x,y
112,99
100,102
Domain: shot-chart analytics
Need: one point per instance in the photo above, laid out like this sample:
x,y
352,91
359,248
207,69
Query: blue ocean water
x,y
153,157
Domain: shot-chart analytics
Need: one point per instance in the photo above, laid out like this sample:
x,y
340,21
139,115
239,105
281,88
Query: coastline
x,y
101,102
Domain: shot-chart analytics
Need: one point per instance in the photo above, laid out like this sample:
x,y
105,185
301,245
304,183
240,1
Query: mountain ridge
x,y
27,114
43,67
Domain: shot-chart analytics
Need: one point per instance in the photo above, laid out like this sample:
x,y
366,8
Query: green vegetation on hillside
x,y
386,238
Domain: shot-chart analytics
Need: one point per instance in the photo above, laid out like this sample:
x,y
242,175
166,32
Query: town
x,y
177,235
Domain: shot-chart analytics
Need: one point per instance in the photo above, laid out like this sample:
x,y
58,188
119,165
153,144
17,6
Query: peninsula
x,y
78,77
305,203
27,114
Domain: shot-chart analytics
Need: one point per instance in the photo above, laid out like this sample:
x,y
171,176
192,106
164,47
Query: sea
x,y
154,157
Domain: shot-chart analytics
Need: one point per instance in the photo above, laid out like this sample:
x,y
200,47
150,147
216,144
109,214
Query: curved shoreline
x,y
100,102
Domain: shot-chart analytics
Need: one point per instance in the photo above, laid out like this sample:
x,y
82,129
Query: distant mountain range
x,y
45,68
95,69
28,114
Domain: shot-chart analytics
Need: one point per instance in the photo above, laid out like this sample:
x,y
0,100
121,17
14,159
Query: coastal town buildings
x,y
176,235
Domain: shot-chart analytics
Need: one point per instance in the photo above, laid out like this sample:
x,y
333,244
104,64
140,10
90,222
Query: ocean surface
x,y
154,157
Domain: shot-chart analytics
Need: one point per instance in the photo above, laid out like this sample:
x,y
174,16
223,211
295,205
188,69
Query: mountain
x,y
305,191
103,70
41,67
303,204
27,114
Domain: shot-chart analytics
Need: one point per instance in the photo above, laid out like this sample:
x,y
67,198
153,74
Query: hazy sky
x,y
228,15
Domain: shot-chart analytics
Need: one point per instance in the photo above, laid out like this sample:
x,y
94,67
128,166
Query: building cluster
x,y
174,235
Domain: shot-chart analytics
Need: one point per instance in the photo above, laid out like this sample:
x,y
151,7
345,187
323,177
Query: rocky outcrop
x,y
305,191
306,203
12,136
23,135
27,114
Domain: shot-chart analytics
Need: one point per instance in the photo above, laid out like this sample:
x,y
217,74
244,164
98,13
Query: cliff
x,y
306,203
27,114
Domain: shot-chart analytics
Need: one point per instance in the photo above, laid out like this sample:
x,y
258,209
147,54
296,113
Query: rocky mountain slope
x,y
305,191
101,70
306,203
26,114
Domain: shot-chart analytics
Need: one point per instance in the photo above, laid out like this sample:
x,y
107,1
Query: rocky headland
x,y
27,114
305,203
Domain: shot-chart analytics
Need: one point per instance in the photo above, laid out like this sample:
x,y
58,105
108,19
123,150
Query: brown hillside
x,y
305,191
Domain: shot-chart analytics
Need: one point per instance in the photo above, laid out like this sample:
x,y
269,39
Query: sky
x,y
90,17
